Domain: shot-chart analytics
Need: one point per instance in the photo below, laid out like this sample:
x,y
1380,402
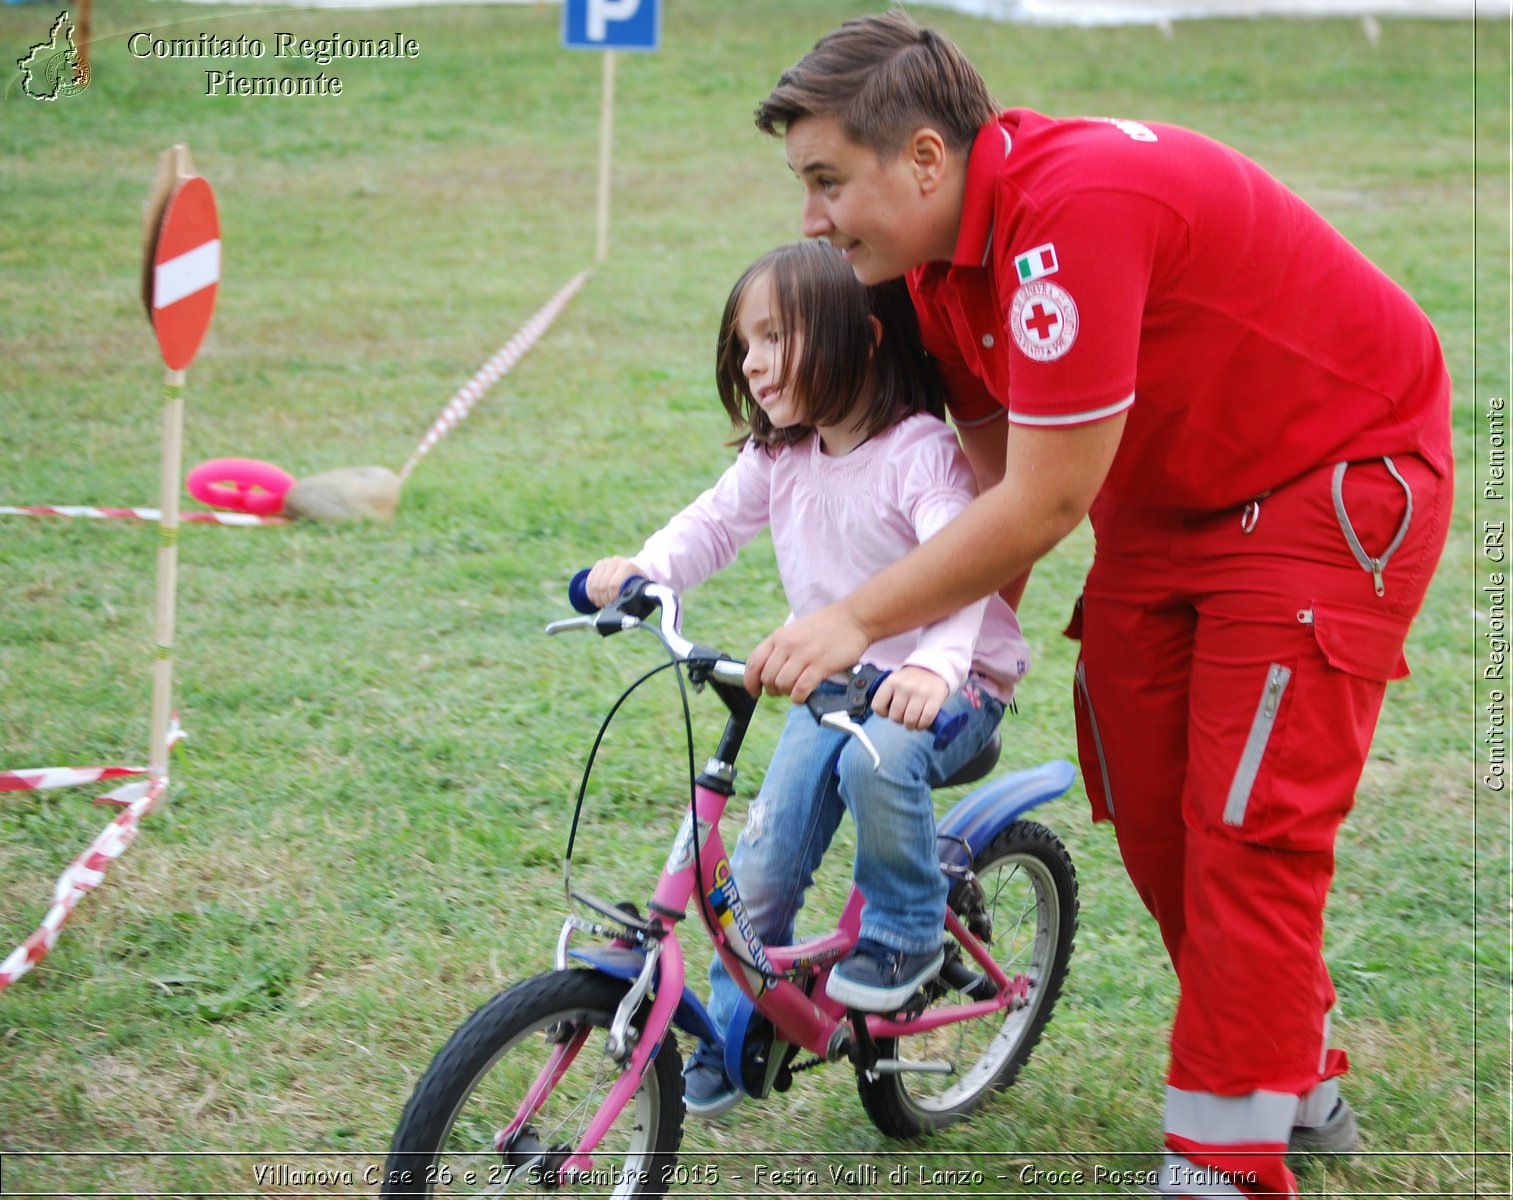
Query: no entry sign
x,y
185,267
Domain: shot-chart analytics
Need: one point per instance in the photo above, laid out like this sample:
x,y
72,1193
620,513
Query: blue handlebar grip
x,y
946,728
577,593
943,727
577,590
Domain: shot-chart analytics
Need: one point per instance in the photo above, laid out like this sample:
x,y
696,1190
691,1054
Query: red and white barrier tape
x,y
39,778
492,371
85,874
36,779
138,514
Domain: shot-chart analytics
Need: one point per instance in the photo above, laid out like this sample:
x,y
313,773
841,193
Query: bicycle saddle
x,y
978,765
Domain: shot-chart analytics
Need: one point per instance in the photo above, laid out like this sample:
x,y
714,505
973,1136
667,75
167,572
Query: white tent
x,y
1144,12
1093,12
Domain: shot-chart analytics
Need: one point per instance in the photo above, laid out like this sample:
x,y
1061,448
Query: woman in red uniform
x,y
1141,325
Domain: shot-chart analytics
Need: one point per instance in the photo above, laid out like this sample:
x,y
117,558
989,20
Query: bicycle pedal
x,y
914,1007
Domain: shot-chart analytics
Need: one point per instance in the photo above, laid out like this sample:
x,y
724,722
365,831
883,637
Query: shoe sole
x,y
1339,1136
879,1000
709,1109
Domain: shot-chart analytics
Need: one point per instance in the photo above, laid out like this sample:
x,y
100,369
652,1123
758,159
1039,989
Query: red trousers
x,y
1233,667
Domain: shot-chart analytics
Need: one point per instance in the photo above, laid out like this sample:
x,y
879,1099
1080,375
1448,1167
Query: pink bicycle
x,y
569,1082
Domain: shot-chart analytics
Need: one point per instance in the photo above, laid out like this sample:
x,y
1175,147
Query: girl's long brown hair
x,y
841,364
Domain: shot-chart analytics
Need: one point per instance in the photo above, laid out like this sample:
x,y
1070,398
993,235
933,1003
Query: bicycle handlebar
x,y
639,597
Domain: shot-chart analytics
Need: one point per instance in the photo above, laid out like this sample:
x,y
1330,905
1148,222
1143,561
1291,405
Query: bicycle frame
x,y
697,869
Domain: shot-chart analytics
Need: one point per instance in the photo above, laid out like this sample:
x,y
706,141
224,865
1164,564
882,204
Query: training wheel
x,y
240,484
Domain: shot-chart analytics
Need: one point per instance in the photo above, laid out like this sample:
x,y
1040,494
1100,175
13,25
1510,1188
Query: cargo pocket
x,y
1367,644
1310,731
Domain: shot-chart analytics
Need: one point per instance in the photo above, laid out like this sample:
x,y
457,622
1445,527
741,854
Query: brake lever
x,y
846,711
600,622
841,720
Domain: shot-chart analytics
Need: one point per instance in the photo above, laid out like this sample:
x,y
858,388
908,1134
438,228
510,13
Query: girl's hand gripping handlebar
x,y
846,710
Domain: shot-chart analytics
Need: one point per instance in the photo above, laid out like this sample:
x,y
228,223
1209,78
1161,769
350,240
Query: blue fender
x,y
623,962
735,1041
979,817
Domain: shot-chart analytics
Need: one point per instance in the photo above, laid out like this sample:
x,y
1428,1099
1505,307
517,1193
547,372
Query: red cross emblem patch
x,y
1043,320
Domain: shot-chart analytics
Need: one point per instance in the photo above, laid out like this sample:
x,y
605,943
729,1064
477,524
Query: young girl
x,y
846,460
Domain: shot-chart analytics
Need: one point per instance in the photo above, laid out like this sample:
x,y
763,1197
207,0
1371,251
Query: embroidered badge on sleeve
x,y
1043,320
1037,263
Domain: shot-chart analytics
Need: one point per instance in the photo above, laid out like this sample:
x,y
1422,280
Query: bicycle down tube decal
x,y
725,903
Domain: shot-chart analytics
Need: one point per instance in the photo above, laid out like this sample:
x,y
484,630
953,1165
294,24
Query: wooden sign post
x,y
182,270
607,26
606,134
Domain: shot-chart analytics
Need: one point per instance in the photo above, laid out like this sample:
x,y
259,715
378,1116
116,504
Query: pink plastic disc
x,y
240,484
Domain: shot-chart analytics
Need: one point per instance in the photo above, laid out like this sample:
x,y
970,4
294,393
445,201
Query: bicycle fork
x,y
664,965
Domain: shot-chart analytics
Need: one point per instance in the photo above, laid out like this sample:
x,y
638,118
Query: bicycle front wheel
x,y
1023,905
547,1034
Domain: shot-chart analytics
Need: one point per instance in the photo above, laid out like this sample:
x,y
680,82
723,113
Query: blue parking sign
x,y
611,24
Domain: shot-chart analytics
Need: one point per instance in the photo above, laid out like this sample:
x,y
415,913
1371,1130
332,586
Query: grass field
x,y
365,831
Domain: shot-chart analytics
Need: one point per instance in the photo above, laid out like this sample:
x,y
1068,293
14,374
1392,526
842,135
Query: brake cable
x,y
588,767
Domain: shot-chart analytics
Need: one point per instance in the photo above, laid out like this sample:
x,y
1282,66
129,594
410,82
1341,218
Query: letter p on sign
x,y
611,24
602,12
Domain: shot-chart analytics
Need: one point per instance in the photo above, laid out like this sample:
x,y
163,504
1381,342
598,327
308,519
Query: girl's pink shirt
x,y
836,522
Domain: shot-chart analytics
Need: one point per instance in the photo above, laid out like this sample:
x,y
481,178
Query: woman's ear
x,y
877,331
927,158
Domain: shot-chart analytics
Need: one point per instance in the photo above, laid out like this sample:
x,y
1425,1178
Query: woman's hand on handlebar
x,y
911,696
606,576
798,657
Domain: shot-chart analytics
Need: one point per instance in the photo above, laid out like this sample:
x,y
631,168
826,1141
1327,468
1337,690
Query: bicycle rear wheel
x,y
445,1142
1025,899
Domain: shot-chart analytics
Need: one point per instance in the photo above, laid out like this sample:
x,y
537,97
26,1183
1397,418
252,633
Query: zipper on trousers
x,y
1376,565
1080,679
1277,678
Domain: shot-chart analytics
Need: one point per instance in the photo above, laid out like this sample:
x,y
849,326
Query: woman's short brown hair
x,y
883,77
824,309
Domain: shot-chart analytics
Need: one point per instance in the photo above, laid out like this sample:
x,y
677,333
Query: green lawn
x,y
365,830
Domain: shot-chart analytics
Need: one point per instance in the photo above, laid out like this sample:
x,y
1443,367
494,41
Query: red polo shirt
x,y
1104,266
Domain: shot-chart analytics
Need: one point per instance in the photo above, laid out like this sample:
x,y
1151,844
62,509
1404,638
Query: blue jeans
x,y
816,774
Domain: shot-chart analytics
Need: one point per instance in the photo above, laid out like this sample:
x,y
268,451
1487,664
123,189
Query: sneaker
x,y
877,978
707,1090
1338,1135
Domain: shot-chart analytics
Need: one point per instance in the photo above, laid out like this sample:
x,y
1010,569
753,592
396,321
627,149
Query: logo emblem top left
x,y
54,68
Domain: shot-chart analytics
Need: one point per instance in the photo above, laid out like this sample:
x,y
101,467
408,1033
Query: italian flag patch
x,y
1037,263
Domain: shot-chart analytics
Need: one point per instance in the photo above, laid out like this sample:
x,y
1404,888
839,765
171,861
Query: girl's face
x,y
768,348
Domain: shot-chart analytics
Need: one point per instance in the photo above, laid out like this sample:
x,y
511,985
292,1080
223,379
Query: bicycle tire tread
x,y
472,1048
